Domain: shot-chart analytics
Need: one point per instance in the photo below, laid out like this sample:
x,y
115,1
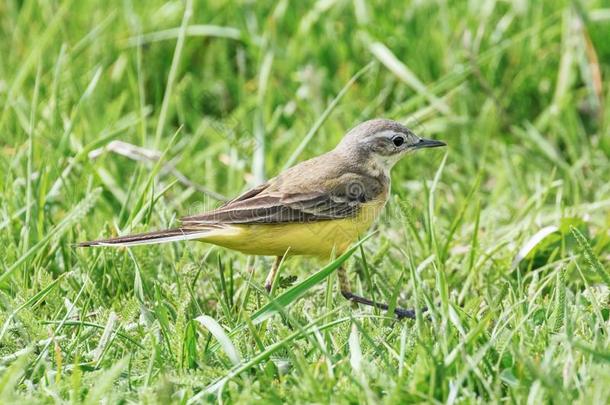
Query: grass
x,y
506,237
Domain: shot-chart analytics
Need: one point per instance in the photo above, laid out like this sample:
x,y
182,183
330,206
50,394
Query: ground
x,y
120,117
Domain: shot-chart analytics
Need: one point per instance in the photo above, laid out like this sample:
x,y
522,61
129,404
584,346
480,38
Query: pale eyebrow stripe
x,y
383,134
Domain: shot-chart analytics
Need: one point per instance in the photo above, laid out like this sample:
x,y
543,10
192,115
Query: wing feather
x,y
279,208
295,197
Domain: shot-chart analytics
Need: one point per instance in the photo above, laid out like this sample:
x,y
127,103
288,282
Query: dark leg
x,y
347,293
272,273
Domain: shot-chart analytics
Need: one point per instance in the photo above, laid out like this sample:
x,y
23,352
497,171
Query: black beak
x,y
428,143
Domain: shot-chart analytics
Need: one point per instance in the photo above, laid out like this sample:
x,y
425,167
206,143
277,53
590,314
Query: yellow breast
x,y
321,238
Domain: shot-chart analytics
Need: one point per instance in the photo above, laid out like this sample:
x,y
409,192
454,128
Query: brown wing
x,y
275,203
248,194
279,208
318,189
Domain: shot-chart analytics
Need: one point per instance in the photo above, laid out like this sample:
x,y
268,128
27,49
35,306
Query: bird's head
x,y
383,142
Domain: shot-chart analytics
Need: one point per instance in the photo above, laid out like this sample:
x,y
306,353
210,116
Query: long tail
x,y
149,238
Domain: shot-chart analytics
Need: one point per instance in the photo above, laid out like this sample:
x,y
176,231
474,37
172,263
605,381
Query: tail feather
x,y
149,238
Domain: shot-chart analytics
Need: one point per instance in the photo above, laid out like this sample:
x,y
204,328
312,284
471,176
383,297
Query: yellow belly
x,y
321,238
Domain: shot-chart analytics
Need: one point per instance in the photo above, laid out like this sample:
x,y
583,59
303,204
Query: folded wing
x,y
279,208
303,193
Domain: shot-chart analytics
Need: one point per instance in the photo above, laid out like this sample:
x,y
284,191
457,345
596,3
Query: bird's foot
x,y
401,313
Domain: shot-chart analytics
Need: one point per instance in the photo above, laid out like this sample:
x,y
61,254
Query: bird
x,y
318,207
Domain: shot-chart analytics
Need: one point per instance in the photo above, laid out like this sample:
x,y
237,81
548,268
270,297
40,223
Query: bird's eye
x,y
398,141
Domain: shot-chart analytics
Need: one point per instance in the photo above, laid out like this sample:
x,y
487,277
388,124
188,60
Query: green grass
x,y
229,94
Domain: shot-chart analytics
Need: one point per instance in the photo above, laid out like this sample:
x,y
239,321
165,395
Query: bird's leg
x,y
272,273
346,291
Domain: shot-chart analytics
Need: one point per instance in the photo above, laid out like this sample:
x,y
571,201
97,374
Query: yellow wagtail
x,y
317,208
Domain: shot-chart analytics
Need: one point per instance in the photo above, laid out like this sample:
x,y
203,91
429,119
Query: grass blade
x,y
218,332
199,30
173,71
290,296
263,355
591,258
33,301
57,232
387,57
104,383
316,127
